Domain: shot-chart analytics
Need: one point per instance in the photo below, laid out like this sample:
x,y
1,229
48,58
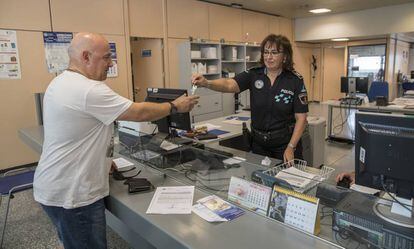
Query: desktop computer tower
x,y
313,141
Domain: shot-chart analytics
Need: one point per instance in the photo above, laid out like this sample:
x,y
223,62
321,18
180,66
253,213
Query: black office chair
x,y
11,182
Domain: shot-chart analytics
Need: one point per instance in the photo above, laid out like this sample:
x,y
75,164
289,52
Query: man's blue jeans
x,y
83,227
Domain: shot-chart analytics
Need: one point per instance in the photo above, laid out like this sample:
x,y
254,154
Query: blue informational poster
x,y
56,49
113,71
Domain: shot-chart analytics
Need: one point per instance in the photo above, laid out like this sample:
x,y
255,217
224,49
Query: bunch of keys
x,y
193,89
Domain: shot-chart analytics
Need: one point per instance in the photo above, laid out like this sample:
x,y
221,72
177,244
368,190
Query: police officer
x,y
278,99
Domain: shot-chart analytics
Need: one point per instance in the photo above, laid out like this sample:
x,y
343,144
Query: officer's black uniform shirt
x,y
273,107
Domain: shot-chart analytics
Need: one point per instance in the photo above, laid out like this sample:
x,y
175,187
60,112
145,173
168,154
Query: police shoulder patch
x,y
297,74
255,69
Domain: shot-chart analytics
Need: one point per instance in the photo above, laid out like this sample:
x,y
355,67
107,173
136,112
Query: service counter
x,y
191,164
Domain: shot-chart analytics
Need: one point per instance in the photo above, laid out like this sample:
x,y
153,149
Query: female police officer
x,y
278,99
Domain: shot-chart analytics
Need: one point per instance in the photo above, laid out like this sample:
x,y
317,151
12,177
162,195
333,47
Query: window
x,y
367,61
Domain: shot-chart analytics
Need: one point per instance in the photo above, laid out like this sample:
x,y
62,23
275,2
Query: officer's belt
x,y
268,135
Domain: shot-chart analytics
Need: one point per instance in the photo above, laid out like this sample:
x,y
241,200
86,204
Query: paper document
x,y
166,145
220,207
122,163
209,126
296,177
364,189
233,160
206,213
172,200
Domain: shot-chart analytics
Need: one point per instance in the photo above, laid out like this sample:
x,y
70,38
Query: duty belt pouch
x,y
247,137
274,139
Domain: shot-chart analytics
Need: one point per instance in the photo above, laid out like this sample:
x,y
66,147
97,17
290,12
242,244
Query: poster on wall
x,y
56,49
113,71
9,55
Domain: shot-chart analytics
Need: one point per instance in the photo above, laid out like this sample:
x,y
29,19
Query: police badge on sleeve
x,y
303,97
259,84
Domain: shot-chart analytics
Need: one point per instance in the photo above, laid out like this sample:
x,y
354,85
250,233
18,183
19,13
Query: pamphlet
x,y
220,207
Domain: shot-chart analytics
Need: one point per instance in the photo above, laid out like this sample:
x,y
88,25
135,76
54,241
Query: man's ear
x,y
85,56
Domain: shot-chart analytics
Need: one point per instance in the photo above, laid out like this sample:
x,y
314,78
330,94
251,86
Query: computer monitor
x,y
179,120
384,152
352,85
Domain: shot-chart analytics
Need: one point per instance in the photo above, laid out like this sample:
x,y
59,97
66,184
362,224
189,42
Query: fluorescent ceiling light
x,y
319,11
340,39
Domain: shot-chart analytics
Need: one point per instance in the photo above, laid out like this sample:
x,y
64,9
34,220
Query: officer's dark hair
x,y
282,43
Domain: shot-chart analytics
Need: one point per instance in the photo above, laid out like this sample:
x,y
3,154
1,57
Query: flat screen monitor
x,y
352,85
384,152
179,120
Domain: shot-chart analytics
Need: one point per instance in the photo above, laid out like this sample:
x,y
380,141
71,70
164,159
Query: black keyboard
x,y
219,152
351,101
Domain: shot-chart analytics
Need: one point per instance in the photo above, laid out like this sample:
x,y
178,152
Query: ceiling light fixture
x,y
319,11
340,39
237,5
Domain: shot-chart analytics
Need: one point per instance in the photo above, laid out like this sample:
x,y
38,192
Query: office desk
x,y
366,107
126,214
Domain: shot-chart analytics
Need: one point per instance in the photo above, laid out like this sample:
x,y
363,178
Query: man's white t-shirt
x,y
78,124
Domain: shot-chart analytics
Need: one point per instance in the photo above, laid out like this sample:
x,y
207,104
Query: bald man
x,y
71,178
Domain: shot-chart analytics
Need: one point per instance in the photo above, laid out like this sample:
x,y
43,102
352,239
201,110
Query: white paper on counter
x,y
172,200
363,189
122,163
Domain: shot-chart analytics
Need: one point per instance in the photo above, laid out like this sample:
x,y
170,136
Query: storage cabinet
x,y
286,28
25,15
187,18
146,18
274,25
101,16
225,23
255,26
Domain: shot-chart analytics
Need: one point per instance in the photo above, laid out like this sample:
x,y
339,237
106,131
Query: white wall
x,y
372,22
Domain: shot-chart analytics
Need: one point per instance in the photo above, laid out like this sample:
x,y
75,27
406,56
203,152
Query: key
x,y
193,89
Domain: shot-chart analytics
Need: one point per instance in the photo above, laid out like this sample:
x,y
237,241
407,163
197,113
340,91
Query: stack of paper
x,y
215,209
296,177
123,164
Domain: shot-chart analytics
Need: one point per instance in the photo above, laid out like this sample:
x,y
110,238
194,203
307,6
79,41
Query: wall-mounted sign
x,y
9,55
56,49
145,52
113,71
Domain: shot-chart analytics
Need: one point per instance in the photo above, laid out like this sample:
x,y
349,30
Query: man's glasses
x,y
272,53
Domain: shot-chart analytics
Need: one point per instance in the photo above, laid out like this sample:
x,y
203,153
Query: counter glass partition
x,y
344,217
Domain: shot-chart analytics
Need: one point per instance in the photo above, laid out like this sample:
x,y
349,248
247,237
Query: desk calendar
x,y
293,208
249,194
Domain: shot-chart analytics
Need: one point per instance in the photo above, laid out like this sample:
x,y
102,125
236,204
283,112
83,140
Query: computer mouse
x,y
344,183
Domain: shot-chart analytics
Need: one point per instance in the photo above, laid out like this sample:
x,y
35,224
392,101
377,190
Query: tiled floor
x,y
28,226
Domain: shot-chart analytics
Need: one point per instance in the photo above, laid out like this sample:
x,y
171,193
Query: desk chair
x,y
378,88
11,182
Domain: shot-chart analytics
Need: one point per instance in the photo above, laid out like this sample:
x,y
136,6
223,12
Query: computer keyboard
x,y
351,101
219,152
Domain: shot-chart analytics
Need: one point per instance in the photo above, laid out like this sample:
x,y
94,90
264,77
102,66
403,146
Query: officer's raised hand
x,y
185,103
199,80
